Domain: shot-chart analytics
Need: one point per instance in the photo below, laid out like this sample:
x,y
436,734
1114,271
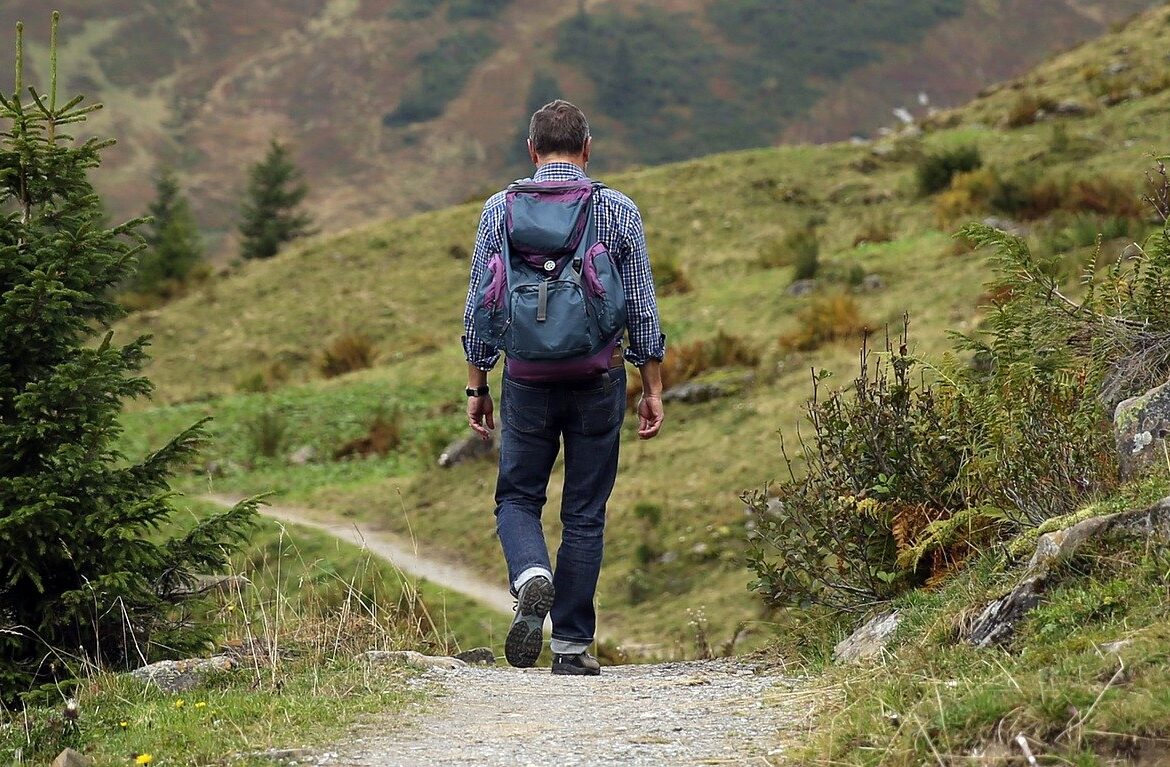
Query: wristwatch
x,y
477,392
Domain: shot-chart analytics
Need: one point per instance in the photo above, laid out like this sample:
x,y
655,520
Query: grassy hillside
x,y
720,225
395,106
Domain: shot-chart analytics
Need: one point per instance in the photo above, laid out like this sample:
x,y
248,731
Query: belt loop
x,y
607,381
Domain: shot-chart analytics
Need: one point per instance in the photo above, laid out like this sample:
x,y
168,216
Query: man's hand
x,y
479,416
650,416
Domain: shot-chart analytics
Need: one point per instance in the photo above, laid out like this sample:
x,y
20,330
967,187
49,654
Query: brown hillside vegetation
x,y
203,86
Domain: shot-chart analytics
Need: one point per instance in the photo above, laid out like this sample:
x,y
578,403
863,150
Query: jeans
x,y
534,418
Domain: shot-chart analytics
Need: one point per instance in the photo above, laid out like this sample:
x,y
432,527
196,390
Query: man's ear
x,y
532,154
588,149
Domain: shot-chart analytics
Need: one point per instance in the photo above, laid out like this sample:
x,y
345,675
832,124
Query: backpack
x,y
552,298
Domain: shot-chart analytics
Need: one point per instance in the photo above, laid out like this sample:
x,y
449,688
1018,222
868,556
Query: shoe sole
x,y
526,636
567,670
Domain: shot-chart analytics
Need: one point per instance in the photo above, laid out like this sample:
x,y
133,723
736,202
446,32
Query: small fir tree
x,y
276,188
172,240
86,578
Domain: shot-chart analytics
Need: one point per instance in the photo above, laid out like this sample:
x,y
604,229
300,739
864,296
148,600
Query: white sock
x,y
562,647
529,574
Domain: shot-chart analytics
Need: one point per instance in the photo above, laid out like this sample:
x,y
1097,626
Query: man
x,y
586,413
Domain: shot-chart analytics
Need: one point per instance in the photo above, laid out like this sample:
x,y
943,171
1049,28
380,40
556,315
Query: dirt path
x,y
719,712
398,552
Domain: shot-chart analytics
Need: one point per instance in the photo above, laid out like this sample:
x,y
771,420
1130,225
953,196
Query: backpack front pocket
x,y
550,321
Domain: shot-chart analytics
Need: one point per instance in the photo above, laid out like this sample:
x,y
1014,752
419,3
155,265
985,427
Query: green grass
x,y
230,716
1077,703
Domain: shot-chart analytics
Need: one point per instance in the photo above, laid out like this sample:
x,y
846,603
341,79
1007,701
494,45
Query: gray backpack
x,y
552,299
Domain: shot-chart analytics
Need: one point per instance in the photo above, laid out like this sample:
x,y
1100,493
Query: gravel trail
x,y
692,713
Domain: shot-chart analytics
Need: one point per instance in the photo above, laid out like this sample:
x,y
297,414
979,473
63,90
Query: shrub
x,y
825,319
685,362
383,435
345,354
875,229
799,249
1027,109
263,378
669,276
266,433
935,171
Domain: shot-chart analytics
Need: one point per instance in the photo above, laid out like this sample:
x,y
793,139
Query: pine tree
x,y
85,575
270,219
172,240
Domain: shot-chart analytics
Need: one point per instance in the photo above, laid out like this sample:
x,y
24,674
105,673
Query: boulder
x,y
173,676
1140,427
1070,108
71,758
869,641
469,448
695,392
482,656
303,455
412,658
801,288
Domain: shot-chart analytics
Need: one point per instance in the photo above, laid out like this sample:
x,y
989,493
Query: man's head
x,y
559,131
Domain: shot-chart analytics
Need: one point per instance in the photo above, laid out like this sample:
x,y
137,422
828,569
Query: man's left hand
x,y
479,416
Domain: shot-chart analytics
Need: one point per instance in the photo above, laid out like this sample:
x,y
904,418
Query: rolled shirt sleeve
x,y
488,242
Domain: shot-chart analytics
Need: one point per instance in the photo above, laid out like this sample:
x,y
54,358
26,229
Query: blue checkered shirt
x,y
619,226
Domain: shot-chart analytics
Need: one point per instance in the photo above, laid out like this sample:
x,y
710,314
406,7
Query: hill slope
x,y
402,105
676,525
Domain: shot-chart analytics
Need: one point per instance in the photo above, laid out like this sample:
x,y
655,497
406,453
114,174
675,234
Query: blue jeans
x,y
534,418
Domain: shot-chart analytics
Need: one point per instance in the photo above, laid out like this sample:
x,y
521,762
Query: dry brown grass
x,y
826,319
345,354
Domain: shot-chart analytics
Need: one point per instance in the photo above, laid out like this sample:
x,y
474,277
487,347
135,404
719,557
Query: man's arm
x,y
480,356
650,412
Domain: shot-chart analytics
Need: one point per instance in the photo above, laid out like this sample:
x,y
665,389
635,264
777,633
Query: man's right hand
x,y
479,415
650,416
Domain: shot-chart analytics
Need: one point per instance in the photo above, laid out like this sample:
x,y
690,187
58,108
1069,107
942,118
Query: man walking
x,y
586,411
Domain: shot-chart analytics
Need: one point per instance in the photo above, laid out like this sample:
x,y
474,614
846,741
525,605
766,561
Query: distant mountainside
x,y
395,106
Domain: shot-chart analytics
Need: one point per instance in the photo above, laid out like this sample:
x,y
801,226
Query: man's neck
x,y
571,160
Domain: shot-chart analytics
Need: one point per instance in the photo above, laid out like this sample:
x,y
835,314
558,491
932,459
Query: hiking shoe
x,y
579,664
526,636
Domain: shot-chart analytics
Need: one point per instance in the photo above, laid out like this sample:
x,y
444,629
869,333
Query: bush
x,y
1027,109
685,362
383,435
267,432
347,353
875,229
825,319
669,276
935,171
905,477
799,249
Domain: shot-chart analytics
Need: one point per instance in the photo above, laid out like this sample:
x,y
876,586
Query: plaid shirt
x,y
619,226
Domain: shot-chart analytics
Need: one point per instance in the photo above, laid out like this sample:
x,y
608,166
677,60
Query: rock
x,y
872,282
71,758
469,448
801,288
482,656
303,455
1140,427
869,641
996,624
1070,108
1113,648
173,676
1006,225
695,392
412,658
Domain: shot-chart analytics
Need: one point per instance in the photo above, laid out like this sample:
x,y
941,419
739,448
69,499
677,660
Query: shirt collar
x,y
558,171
